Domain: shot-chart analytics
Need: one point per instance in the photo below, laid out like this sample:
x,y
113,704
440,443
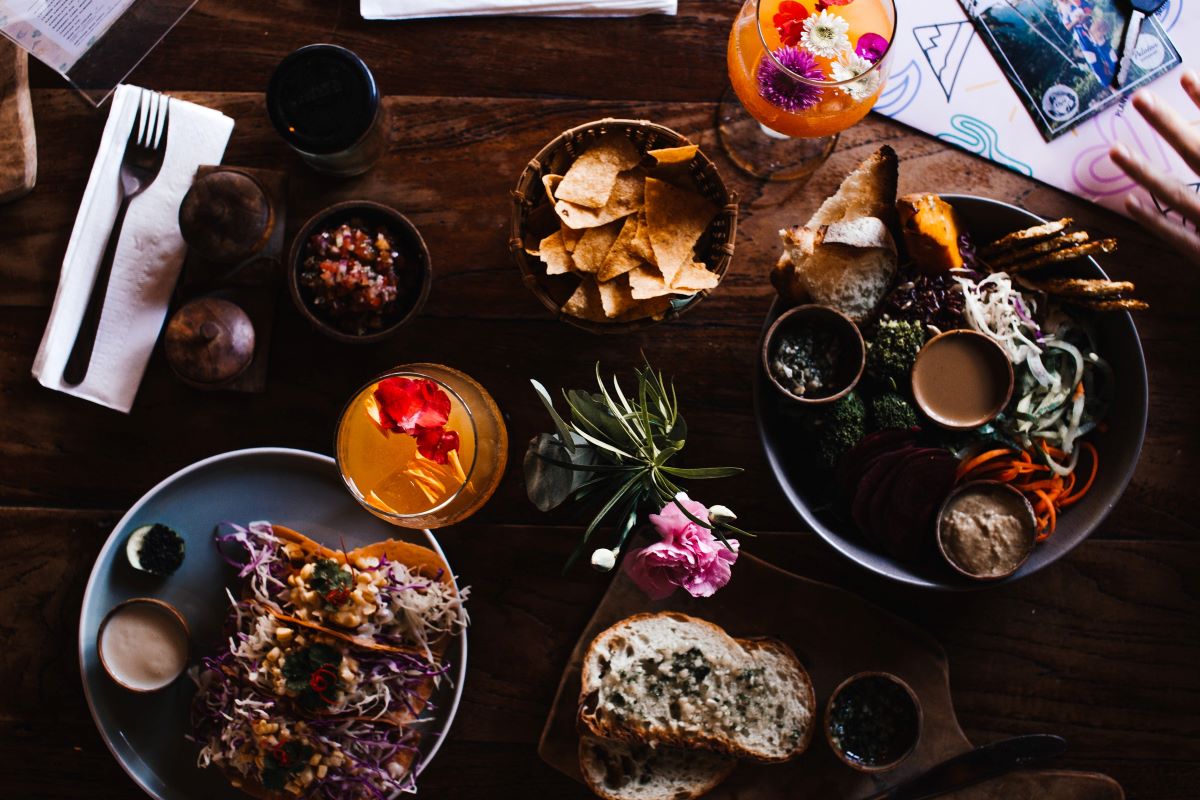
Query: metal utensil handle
x,y
85,340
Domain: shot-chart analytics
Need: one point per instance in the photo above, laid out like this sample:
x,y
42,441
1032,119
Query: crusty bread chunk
x,y
633,771
849,265
670,679
868,191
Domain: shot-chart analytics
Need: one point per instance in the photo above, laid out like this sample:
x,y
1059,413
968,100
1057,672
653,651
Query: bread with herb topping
x,y
674,680
632,771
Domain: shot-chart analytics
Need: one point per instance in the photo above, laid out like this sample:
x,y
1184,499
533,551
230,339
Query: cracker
x,y
676,219
1125,304
1027,235
1066,254
1045,246
592,178
1083,287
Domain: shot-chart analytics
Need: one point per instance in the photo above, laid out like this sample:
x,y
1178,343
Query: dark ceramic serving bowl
x,y
414,278
808,489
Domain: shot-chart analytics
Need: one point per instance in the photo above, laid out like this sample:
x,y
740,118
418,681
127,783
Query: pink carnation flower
x,y
689,557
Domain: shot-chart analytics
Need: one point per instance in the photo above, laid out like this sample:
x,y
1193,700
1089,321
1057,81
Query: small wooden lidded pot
x,y
873,721
226,217
209,342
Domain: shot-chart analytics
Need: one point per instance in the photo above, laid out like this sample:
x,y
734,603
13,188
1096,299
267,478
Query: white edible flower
x,y
850,65
721,514
825,34
604,560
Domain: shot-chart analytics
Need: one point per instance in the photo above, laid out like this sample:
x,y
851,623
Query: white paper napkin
x,y
148,258
417,9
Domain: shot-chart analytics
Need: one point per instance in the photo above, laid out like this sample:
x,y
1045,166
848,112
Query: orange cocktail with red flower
x,y
422,446
802,69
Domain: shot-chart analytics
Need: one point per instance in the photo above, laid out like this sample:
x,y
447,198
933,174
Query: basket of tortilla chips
x,y
618,224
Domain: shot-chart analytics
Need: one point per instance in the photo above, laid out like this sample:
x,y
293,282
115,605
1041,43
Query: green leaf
x,y
552,473
564,430
590,411
702,473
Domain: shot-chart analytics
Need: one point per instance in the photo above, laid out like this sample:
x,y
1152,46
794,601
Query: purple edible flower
x,y
871,46
781,89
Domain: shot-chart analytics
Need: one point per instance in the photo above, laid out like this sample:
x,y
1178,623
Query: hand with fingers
x,y
1170,192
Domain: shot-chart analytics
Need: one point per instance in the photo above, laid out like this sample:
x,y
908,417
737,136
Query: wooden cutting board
x,y
18,145
836,634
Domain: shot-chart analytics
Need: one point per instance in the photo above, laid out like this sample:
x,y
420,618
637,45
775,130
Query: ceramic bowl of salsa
x,y
813,354
359,270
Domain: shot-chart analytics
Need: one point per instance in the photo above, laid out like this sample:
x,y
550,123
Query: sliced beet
x,y
854,464
868,488
923,481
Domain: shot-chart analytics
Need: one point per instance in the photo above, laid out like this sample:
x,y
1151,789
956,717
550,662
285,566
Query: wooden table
x,y
1102,648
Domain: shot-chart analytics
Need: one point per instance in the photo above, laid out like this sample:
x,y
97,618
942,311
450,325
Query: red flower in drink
x,y
436,444
411,404
824,4
789,21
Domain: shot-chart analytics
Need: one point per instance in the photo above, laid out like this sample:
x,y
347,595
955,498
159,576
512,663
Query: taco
x,y
267,753
390,595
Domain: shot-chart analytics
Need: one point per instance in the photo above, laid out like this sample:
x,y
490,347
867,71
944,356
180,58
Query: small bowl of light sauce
x,y
962,379
986,530
873,721
143,644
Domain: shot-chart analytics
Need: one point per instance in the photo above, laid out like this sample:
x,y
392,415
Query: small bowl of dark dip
x,y
814,354
873,721
359,270
986,530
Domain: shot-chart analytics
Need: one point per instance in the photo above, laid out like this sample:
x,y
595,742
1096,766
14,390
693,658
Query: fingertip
x,y
1133,203
1143,100
1119,152
1190,79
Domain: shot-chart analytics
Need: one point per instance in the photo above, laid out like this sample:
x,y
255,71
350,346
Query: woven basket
x,y
533,217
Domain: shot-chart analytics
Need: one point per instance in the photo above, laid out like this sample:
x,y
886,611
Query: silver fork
x,y
140,164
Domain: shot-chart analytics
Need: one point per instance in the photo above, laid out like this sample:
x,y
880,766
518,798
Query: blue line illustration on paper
x,y
976,136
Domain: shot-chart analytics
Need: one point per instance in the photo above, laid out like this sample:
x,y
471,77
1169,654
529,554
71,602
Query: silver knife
x,y
976,766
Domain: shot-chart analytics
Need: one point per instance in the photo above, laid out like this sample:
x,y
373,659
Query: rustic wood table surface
x,y
1102,648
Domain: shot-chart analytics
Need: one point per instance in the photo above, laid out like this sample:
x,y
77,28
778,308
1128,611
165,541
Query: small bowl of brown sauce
x,y
814,354
986,530
873,721
143,644
962,379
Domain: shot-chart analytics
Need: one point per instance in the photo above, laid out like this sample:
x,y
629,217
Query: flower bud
x,y
720,514
604,560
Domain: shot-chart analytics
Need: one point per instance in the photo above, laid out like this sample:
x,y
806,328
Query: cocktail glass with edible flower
x,y
422,446
801,72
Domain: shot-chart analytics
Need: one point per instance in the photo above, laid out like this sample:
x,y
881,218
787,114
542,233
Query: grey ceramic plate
x,y
291,487
811,493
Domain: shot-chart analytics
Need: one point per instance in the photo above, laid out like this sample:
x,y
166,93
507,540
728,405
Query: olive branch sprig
x,y
614,450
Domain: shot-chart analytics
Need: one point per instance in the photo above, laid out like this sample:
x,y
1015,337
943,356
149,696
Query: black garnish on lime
x,y
161,552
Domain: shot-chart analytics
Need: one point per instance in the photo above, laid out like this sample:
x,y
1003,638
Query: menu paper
x,y
944,81
59,32
419,9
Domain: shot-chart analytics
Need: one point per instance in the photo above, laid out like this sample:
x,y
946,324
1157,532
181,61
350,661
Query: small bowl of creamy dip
x,y
986,530
962,379
143,644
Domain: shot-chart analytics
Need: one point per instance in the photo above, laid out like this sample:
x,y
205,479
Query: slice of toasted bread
x,y
633,771
868,191
674,680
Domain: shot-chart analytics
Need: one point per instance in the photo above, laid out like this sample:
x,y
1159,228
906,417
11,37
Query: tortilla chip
x,y
694,277
554,254
676,219
550,184
615,297
654,307
585,303
674,155
627,197
621,256
593,246
647,282
591,179
641,242
571,238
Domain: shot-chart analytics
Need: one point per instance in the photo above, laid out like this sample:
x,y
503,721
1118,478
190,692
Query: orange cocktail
x,y
802,69
422,446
